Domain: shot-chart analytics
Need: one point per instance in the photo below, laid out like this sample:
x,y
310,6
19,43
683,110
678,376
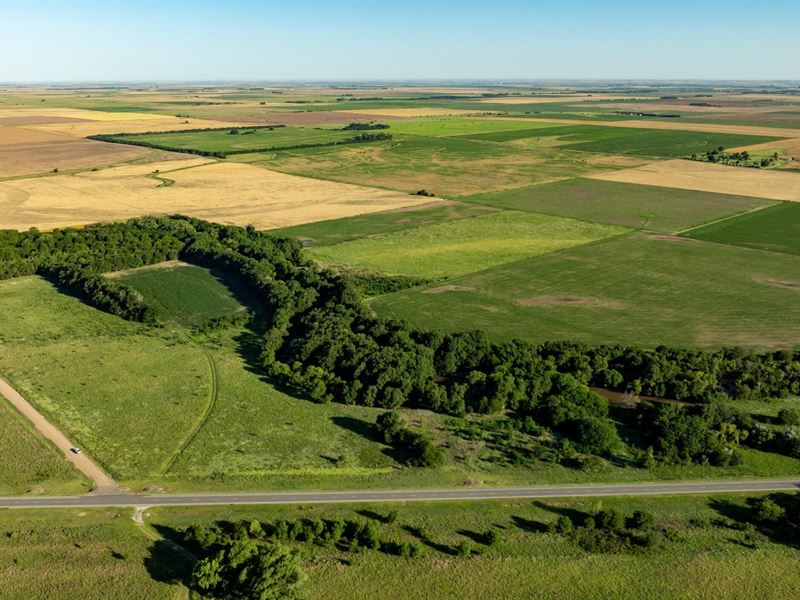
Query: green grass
x,y
446,166
326,233
86,554
443,127
186,294
776,228
627,140
225,141
29,462
638,290
122,391
465,246
654,208
707,560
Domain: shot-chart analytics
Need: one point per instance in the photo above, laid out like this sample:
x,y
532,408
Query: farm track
x,y
728,218
212,401
103,483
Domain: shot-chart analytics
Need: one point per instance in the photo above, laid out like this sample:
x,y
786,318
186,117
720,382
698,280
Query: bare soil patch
x,y
706,177
37,120
787,285
671,238
447,288
408,112
568,301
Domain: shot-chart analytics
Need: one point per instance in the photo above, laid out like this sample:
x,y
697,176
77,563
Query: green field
x,y
124,392
186,294
29,462
90,554
649,207
465,246
461,127
707,557
776,228
326,233
638,290
244,139
622,140
446,166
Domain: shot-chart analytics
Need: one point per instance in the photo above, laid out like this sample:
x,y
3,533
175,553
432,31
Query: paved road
x,y
643,489
102,482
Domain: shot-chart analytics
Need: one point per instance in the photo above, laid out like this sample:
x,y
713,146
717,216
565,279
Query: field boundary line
x,y
729,217
212,402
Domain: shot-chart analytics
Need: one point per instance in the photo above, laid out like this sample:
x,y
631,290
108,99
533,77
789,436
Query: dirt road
x,y
103,484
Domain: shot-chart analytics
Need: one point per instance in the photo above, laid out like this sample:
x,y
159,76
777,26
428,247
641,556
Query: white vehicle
x,y
75,450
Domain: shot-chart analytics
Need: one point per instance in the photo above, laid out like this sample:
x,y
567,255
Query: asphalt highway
x,y
518,493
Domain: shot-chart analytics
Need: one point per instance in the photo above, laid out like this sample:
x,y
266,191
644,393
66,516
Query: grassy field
x,y
122,391
244,139
446,166
455,126
622,140
87,554
708,556
186,294
776,228
640,289
654,208
29,462
336,231
465,246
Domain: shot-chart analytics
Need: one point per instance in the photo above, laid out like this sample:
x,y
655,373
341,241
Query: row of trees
x,y
322,341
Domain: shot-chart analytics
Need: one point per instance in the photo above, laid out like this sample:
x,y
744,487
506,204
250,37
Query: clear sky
x,y
49,41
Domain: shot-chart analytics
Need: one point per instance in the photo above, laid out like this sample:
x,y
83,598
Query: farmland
x,y
665,291
776,228
659,209
464,246
187,295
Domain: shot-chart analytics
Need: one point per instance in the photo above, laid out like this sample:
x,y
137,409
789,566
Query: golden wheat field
x,y
707,177
231,193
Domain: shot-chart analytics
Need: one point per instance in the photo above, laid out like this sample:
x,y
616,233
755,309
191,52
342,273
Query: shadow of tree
x,y
741,517
163,563
370,432
424,539
528,525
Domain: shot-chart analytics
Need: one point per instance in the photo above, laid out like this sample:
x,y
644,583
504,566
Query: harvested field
x,y
556,98
61,153
707,177
224,192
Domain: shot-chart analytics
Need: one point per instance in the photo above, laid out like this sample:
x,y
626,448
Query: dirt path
x,y
103,484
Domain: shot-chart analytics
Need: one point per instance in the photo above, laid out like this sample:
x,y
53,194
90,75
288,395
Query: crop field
x,y
455,248
623,140
28,462
232,138
446,166
706,558
776,228
327,233
460,126
230,193
654,208
706,177
184,294
640,289
70,553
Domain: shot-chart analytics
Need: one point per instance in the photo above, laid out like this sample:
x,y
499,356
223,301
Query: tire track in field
x,y
212,402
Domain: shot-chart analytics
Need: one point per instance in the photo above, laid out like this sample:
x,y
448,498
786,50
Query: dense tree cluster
x,y
421,452
609,530
364,126
323,341
736,159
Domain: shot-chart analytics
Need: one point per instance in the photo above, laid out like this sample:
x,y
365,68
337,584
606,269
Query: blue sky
x,y
335,40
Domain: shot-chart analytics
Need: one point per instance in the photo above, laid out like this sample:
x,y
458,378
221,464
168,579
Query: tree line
x,y
322,341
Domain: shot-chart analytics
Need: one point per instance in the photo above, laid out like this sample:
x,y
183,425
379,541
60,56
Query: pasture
x,y
29,462
89,554
625,140
187,295
464,246
776,228
447,166
336,231
639,289
653,208
232,193
704,557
